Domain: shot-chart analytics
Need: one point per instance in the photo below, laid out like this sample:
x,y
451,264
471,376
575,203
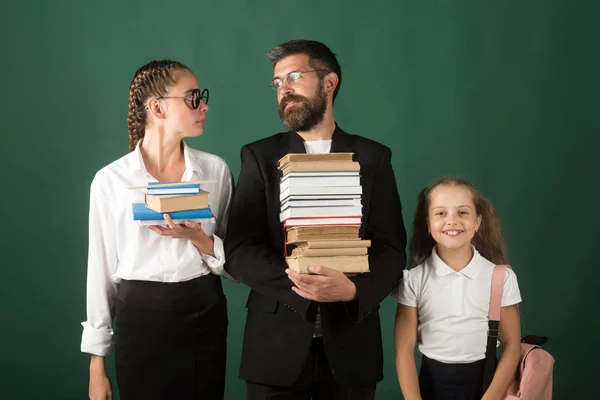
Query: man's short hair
x,y
320,57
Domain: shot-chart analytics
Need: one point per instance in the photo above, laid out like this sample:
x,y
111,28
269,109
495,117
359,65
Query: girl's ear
x,y
478,223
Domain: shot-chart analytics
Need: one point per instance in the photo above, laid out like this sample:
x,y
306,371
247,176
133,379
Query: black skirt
x,y
170,339
441,381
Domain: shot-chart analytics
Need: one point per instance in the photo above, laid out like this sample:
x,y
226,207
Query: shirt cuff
x,y
215,263
97,341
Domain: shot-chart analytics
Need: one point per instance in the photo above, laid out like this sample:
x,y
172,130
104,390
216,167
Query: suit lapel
x,y
341,142
291,142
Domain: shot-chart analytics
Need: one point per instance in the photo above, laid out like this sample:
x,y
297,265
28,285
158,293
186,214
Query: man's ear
x,y
331,82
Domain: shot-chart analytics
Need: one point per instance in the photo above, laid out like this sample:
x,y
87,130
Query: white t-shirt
x,y
318,147
453,306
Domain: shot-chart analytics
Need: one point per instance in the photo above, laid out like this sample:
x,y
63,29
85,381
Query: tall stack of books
x,y
321,211
181,201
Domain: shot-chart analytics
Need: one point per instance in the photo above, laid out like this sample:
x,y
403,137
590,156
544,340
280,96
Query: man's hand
x,y
325,285
191,231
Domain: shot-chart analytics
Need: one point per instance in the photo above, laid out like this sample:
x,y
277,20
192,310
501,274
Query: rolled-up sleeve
x,y
217,262
102,263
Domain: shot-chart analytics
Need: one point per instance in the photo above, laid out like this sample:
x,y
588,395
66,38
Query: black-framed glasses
x,y
193,99
291,78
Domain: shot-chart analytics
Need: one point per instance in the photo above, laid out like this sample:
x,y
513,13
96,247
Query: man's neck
x,y
323,131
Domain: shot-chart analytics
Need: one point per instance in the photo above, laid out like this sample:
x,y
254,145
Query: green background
x,y
503,93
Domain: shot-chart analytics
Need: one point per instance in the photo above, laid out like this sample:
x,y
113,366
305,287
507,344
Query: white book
x,y
295,202
321,221
320,174
308,212
325,181
316,190
305,197
171,191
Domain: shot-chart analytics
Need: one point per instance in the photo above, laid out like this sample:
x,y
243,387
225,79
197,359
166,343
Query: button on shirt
x,y
453,306
121,249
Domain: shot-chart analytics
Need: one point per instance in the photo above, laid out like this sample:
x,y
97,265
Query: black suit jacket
x,y
280,323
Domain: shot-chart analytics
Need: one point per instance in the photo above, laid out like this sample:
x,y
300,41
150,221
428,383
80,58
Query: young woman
x,y
160,283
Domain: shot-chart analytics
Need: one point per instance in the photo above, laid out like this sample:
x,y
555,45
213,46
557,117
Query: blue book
x,y
175,189
143,213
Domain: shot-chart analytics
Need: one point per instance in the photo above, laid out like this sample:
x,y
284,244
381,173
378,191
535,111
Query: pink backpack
x,y
533,378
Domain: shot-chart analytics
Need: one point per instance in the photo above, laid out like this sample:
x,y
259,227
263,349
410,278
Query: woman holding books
x,y
159,283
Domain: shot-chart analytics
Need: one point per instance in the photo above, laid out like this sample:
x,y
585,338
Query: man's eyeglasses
x,y
291,78
192,100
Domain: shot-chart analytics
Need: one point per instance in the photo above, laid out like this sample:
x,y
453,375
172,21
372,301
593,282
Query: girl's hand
x,y
191,231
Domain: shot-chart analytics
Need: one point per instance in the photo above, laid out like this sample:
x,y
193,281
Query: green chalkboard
x,y
503,93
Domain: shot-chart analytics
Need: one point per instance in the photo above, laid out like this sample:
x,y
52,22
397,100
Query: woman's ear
x,y
154,107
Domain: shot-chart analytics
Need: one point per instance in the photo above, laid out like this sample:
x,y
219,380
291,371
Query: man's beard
x,y
305,115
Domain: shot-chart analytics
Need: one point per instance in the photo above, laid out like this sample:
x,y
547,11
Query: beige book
x,y
331,244
339,251
317,233
177,202
303,157
341,263
320,166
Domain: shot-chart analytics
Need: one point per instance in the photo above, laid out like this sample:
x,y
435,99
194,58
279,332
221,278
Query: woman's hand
x,y
191,231
100,386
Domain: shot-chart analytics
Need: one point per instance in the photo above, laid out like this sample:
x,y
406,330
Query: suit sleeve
x,y
387,254
250,257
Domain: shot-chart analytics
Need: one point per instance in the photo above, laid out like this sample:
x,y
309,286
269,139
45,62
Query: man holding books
x,y
317,334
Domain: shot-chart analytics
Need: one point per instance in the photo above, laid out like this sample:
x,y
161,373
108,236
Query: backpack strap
x,y
493,324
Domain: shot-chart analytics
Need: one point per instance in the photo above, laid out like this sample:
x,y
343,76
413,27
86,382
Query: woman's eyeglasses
x,y
192,100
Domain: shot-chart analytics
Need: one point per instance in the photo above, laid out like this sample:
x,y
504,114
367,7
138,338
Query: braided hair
x,y
151,80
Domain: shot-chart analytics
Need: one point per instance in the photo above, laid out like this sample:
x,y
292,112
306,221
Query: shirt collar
x,y
137,162
470,271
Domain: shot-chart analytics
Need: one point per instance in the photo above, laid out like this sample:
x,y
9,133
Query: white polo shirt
x,y
453,306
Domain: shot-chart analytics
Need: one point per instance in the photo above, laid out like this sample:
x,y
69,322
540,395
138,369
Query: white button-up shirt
x,y
121,249
453,306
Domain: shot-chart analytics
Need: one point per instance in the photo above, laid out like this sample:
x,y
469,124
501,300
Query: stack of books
x,y
321,211
181,201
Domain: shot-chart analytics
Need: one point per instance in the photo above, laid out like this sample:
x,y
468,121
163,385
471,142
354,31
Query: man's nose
x,y
286,88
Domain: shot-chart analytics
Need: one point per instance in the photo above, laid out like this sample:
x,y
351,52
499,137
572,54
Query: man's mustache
x,y
292,98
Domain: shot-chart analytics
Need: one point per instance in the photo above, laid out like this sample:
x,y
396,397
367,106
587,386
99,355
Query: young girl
x,y
160,283
444,300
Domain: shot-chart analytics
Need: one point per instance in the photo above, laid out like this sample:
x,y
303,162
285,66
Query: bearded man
x,y
318,335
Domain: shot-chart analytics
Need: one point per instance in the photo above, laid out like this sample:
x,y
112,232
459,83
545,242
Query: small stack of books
x,y
321,211
181,201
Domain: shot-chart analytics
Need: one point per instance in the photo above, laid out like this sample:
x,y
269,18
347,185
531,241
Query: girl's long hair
x,y
489,240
